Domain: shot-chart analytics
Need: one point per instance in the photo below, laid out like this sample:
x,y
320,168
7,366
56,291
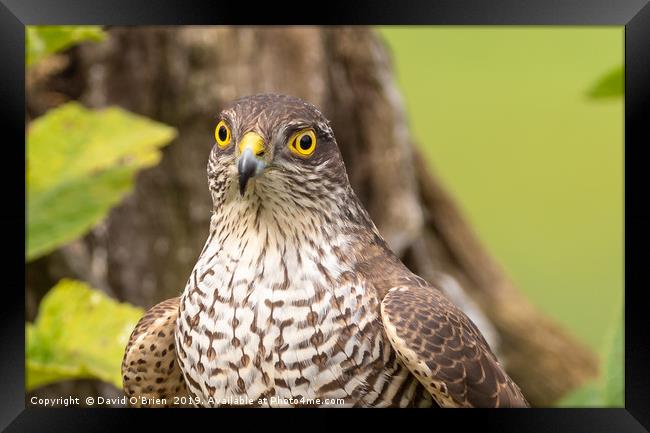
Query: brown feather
x,y
445,350
150,370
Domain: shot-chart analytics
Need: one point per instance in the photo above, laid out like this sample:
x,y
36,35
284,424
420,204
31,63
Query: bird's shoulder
x,y
380,268
437,342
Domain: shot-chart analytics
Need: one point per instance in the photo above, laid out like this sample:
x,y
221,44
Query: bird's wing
x,y
443,348
150,370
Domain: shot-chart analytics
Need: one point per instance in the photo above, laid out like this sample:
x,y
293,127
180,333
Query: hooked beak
x,y
250,164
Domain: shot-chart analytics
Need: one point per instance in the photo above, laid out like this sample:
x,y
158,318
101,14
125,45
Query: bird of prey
x,y
296,299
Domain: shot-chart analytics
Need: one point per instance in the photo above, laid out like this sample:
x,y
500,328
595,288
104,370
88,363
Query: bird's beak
x,y
250,164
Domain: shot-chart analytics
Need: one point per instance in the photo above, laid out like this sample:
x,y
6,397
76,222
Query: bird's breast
x,y
274,325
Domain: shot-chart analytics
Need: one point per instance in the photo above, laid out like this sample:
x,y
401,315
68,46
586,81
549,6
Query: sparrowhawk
x,y
296,299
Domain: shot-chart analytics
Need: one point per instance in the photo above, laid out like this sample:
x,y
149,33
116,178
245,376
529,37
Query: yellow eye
x,y
303,143
222,134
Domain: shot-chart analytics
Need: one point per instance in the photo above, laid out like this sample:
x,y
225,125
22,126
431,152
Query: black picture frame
x,y
633,14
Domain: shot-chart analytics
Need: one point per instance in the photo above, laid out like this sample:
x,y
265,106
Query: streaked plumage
x,y
297,297
150,370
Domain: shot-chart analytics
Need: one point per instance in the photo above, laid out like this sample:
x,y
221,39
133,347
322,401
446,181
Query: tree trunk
x,y
184,76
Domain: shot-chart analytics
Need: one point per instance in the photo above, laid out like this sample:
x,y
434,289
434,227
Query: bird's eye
x,y
303,143
222,134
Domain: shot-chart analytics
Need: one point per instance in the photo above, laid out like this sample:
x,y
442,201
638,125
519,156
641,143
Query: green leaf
x,y
44,40
79,333
609,85
608,389
614,367
80,163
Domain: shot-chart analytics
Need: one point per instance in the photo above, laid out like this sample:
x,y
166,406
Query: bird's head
x,y
275,149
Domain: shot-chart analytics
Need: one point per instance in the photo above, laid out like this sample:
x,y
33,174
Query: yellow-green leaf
x,y
614,367
44,40
608,389
79,333
609,85
80,163
588,395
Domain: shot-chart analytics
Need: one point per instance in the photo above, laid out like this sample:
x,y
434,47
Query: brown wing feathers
x,y
150,370
445,350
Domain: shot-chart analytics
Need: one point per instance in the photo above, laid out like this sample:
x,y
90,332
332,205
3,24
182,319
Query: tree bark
x,y
183,76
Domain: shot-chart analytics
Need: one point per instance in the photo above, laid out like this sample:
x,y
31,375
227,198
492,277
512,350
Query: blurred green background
x,y
504,116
